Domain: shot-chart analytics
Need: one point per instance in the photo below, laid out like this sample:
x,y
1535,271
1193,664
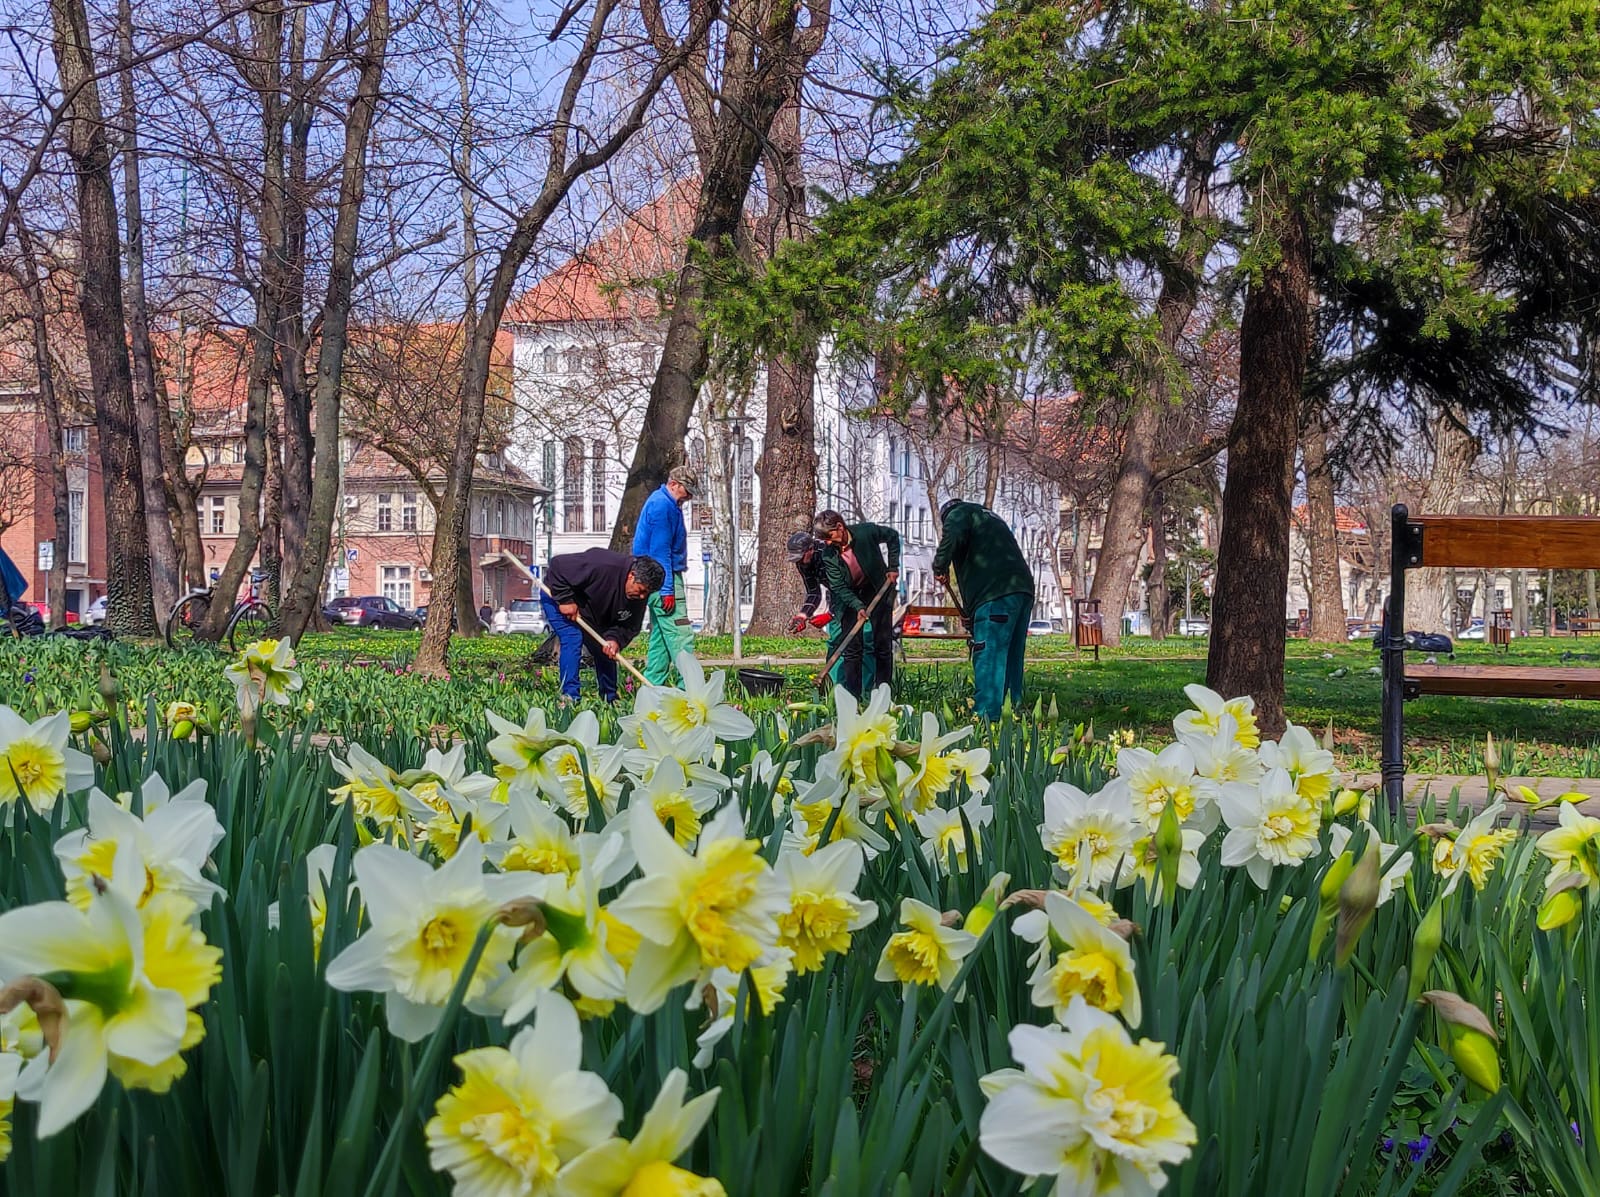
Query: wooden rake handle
x,y
821,679
598,639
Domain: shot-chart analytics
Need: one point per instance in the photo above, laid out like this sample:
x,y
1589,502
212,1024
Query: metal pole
x,y
738,580
1394,664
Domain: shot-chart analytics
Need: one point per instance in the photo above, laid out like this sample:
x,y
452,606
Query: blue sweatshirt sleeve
x,y
653,538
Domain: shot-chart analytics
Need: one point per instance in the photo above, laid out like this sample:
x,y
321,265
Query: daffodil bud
x,y
1328,899
1473,1044
1327,736
1358,898
1169,849
1088,734
1425,946
981,915
1055,711
1346,801
183,729
81,722
1058,756
1562,902
1572,797
108,685
1491,761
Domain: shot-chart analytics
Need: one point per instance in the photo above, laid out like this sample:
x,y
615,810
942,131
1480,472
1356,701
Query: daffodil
x,y
434,814
823,910
680,805
371,787
567,773
767,982
1153,780
447,769
522,1113
1089,1108
1033,926
717,908
777,779
518,749
943,835
1339,837
1572,848
173,839
935,773
698,704
1220,756
128,977
1144,863
423,923
1089,837
1270,825
695,752
926,952
1210,709
1093,963
10,1066
815,808
319,871
1475,849
644,1164
264,672
1309,765
36,761
858,734
539,840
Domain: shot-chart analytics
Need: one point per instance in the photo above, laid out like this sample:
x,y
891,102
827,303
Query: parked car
x,y
1194,627
371,611
96,614
1473,631
1039,627
520,615
455,619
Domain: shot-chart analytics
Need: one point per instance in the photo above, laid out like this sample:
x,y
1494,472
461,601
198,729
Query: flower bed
x,y
693,948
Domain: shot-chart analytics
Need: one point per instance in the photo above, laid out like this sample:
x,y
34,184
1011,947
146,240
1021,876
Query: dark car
x,y
455,619
371,611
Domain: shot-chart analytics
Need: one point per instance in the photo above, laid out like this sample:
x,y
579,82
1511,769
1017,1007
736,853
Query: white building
x,y
587,340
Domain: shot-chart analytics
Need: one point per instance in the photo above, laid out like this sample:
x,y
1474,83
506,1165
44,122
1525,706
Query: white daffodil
x,y
696,753
1211,707
173,840
1089,1108
1093,963
423,924
935,773
434,815
943,834
1219,756
644,1164
699,704
539,840
129,978
1339,837
523,1112
1270,825
1144,863
264,672
1089,836
823,910
1033,926
717,908
926,952
858,733
1475,849
518,749
777,780
1154,780
567,772
448,770
680,805
814,809
319,872
36,761
1308,764
371,787
1573,847
768,980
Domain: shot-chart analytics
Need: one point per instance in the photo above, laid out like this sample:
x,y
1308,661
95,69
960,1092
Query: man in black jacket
x,y
807,553
608,591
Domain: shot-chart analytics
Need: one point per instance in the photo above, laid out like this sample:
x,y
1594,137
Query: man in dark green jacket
x,y
996,597
856,571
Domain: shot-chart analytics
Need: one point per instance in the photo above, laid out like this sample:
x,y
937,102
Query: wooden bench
x,y
1474,542
1087,630
950,615
1583,625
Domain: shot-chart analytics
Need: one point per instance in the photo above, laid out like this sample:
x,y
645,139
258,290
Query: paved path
x,y
1474,792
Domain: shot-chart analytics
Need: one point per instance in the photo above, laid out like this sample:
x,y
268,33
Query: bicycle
x,y
250,620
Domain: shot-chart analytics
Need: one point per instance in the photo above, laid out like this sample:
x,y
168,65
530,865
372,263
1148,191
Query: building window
x,y
408,512
75,440
597,487
219,515
235,452
385,513
701,516
894,512
572,486
397,584
499,517
647,359
574,359
747,483
75,528
905,458
549,359
894,457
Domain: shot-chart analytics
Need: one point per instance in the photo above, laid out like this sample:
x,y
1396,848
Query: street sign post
x,y
47,555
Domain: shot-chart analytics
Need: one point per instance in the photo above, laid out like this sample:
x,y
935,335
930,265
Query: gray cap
x,y
684,477
800,543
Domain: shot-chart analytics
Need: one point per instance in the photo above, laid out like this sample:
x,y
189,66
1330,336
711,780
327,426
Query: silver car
x,y
520,615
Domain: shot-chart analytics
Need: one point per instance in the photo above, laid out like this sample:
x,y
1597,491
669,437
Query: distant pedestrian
x,y
996,597
662,536
808,553
856,571
607,590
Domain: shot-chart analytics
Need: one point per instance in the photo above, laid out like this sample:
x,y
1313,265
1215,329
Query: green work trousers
x,y
836,631
669,635
999,636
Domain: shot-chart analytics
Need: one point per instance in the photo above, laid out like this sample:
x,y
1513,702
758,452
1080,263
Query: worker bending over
x,y
863,583
996,598
808,554
607,591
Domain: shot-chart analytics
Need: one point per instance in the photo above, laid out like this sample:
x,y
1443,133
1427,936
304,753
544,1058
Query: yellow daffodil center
x,y
678,815
1129,1093
509,1148
684,714
1090,975
938,775
661,1179
731,873
1159,793
40,769
547,856
622,941
428,964
815,925
952,839
914,955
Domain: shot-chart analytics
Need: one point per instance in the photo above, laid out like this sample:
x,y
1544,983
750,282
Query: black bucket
x,y
761,681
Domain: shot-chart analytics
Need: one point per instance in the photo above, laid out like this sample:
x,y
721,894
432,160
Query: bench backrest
x,y
1502,541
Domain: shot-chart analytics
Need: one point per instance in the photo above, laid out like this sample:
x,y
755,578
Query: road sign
x,y
350,554
47,555
705,556
341,577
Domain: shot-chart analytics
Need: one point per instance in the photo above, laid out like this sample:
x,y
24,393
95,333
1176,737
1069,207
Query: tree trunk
x,y
1428,607
1247,629
293,342
1160,596
50,406
129,607
1322,534
272,517
466,608
788,465
164,581
303,590
1122,539
181,489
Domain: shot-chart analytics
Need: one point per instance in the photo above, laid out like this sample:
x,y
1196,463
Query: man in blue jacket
x,y
662,536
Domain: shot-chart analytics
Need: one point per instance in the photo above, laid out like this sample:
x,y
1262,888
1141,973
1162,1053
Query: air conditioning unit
x,y
351,502
424,575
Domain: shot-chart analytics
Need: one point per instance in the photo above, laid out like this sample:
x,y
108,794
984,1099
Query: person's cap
x,y
945,507
801,543
685,478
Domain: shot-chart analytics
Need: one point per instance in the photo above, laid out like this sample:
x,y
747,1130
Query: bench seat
x,y
1502,681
